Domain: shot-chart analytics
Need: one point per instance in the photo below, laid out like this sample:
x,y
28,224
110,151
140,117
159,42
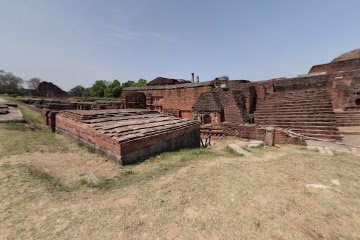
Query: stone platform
x,y
129,135
9,112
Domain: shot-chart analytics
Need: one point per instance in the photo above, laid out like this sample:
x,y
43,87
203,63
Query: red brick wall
x,y
179,100
253,132
345,66
87,133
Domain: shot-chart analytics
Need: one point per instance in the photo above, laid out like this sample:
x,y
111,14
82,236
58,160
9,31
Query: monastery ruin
x,y
171,114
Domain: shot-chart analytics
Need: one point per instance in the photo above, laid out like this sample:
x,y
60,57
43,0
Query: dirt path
x,y
2,100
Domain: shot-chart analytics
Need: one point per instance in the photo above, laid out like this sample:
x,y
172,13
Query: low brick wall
x,y
252,131
173,134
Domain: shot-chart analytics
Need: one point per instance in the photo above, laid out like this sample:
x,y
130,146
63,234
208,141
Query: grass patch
x,y
52,183
30,115
16,139
152,168
13,126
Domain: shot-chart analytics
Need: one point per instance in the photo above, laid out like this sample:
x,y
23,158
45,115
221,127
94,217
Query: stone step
x,y
325,136
294,112
298,124
294,121
303,97
299,116
348,124
348,112
315,131
275,104
328,127
293,99
300,92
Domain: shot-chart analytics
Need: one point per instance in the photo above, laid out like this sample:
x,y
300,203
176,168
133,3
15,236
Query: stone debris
x,y
238,150
255,144
330,148
317,185
4,109
269,139
335,182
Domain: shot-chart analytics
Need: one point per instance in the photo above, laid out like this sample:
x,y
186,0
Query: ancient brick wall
x,y
86,133
335,67
140,149
176,100
254,132
129,135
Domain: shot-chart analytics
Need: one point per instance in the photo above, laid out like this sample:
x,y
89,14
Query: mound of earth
x,y
349,55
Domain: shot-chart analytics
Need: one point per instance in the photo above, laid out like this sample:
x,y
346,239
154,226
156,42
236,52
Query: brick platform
x,y
129,135
308,112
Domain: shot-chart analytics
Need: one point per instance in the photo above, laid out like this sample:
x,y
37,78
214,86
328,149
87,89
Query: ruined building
x,y
312,105
169,114
50,90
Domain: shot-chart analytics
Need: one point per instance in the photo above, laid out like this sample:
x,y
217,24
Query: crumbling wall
x,y
50,90
252,131
335,67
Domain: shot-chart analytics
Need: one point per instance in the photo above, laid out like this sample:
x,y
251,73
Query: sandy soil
x,y
193,194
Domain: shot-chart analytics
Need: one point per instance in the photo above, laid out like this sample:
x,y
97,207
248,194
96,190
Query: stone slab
x,y
238,150
255,144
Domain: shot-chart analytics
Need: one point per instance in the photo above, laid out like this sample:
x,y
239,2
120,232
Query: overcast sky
x,y
71,42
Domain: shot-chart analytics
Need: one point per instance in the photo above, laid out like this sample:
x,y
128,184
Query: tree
x,y
33,83
113,90
10,83
128,84
98,88
140,83
78,91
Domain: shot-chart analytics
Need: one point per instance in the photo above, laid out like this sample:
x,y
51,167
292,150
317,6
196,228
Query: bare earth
x,y
52,188
13,115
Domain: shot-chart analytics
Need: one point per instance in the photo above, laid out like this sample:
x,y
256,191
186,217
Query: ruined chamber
x,y
129,135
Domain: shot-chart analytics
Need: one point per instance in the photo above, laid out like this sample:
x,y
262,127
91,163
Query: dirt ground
x,y
52,188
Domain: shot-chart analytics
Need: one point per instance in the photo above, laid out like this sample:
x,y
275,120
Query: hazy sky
x,y
71,42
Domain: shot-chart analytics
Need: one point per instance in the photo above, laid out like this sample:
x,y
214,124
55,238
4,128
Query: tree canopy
x,y
9,83
113,90
33,83
98,89
79,91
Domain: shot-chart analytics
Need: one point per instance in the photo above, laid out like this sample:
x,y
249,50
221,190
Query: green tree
x,y
140,83
113,90
98,88
128,84
78,91
10,83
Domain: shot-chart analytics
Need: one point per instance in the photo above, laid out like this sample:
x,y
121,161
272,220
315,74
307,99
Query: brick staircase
x,y
307,112
348,118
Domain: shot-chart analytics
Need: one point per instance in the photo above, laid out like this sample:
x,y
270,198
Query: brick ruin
x,y
50,90
4,109
310,106
128,135
171,114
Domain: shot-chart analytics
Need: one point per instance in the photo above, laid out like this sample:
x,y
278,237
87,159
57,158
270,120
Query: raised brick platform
x,y
348,118
129,135
308,112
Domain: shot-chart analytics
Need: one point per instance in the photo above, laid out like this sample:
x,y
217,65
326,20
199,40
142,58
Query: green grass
x,y
29,115
154,167
15,139
51,182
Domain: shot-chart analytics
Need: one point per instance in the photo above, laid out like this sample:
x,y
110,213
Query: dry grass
x,y
61,191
